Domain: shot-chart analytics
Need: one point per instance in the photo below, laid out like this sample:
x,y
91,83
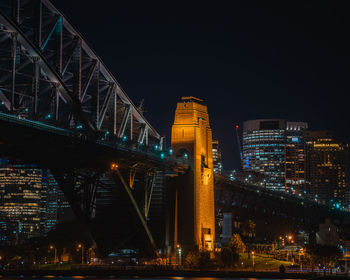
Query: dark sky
x,y
246,59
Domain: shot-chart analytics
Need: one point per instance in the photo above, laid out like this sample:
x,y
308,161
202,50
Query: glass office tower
x,y
217,165
264,150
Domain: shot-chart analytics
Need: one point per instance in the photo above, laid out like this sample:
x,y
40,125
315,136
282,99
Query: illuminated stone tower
x,y
191,139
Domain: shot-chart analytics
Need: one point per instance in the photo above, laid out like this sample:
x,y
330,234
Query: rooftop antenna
x,y
238,143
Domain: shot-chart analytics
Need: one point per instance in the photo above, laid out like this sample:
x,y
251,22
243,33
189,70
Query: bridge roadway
x,y
274,213
27,139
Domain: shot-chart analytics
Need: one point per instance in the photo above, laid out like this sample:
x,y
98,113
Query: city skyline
x,y
257,62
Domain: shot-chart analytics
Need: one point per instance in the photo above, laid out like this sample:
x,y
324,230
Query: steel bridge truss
x,y
49,74
85,190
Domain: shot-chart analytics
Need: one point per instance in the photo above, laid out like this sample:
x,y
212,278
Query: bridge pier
x,y
191,139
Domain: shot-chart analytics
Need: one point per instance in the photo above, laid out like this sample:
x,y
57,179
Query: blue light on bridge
x,y
107,133
26,110
185,155
48,116
170,151
79,126
162,155
156,147
124,138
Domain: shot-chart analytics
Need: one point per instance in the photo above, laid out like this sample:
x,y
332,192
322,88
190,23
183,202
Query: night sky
x,y
246,59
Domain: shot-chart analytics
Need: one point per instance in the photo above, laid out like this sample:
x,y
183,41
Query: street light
x,y
54,247
253,253
114,166
300,262
179,251
81,246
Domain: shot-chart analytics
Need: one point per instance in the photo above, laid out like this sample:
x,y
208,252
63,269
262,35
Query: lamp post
x,y
253,254
300,262
81,247
54,247
179,251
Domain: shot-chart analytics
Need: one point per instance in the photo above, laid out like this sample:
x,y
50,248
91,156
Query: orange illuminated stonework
x,y
191,139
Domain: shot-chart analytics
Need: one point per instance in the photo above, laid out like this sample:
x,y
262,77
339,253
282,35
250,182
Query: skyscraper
x,y
20,202
217,165
295,157
264,150
30,201
326,167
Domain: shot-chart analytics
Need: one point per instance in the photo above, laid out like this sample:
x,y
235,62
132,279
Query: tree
x,y
229,256
192,259
323,254
237,243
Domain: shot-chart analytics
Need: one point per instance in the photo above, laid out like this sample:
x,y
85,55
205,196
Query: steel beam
x,y
35,86
49,34
91,74
112,125
59,46
13,84
105,105
137,210
34,51
66,179
150,193
3,98
126,117
95,97
77,71
142,134
75,44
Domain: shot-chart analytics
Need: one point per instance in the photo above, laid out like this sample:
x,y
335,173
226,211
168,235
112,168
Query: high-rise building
x,y
30,201
217,165
20,202
295,157
264,150
326,167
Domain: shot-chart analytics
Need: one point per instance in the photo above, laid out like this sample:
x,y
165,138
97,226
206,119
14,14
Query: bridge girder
x,y
50,74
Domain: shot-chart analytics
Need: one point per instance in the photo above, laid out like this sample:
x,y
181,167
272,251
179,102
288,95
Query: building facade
x,y
293,159
295,164
217,164
264,150
30,202
326,167
191,135
20,203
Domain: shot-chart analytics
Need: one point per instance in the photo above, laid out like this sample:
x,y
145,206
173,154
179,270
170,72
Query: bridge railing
x,y
282,195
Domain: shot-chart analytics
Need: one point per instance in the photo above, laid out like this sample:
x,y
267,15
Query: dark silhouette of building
x,y
295,157
326,167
